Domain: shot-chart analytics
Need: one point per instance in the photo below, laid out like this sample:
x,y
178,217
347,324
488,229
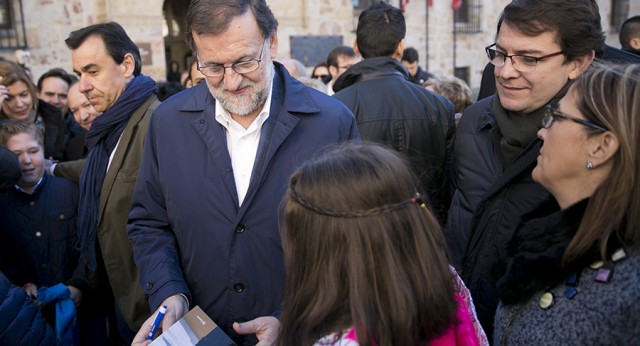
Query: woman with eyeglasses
x,y
571,277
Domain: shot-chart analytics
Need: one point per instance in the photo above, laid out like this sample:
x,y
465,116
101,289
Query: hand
x,y
75,295
176,308
265,328
31,290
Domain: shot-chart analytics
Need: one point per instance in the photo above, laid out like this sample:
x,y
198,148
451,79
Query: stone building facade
x,y
307,30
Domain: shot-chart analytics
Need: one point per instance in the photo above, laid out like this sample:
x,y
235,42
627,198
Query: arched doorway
x,y
173,30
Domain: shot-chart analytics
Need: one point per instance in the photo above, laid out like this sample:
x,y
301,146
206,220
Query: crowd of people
x,y
370,203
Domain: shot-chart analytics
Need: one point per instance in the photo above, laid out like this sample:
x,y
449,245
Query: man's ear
x,y
333,71
606,146
580,64
355,47
397,54
128,65
273,44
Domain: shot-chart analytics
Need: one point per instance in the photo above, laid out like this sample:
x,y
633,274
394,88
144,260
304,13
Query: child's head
x,y
361,249
25,140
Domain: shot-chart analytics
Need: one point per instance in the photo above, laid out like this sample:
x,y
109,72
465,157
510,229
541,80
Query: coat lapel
x,y
289,96
213,136
121,150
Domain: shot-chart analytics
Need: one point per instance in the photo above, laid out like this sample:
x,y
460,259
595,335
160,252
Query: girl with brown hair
x,y
365,258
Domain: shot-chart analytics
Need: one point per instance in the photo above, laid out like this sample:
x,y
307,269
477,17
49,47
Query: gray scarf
x,y
517,129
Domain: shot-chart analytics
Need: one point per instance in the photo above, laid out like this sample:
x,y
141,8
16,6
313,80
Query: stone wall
x,y
48,23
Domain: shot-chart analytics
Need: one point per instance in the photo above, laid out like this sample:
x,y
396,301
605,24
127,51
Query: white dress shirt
x,y
243,144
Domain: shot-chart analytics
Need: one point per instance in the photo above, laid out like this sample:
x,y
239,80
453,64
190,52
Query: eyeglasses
x,y
552,114
320,76
240,67
522,63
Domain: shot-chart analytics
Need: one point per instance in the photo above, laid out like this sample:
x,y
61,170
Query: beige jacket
x,y
115,201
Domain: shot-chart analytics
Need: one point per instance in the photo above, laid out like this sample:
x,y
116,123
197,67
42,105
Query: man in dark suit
x,y
204,217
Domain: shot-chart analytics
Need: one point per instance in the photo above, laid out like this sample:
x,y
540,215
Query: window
x,y
467,17
462,73
619,13
12,31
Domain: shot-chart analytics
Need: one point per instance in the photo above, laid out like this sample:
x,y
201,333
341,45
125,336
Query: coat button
x,y
149,285
239,228
38,234
44,266
201,121
238,287
61,216
32,203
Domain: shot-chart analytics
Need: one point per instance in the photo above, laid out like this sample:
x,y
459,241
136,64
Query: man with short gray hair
x,y
204,217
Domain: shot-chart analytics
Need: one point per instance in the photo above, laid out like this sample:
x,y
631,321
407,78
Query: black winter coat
x,y
55,131
38,234
390,109
488,203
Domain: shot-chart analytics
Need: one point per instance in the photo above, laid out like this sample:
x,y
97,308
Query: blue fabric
x,y
21,322
66,326
101,139
188,233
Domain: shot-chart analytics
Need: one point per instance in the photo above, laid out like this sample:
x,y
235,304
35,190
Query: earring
x,y
589,165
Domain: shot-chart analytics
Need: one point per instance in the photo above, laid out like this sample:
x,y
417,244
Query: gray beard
x,y
243,105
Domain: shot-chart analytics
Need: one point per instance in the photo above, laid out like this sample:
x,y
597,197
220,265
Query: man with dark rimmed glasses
x,y
536,54
204,216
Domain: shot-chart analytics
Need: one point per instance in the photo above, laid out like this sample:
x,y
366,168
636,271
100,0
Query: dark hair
x,y
361,252
214,16
411,55
629,29
608,94
380,29
188,79
577,36
10,128
57,73
115,39
321,64
332,58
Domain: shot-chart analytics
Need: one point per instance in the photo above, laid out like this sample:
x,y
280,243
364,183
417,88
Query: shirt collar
x,y
224,118
34,188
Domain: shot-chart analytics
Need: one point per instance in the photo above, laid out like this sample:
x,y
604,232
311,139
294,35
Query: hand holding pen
x,y
177,307
156,322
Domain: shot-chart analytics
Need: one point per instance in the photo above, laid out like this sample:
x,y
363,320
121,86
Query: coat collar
x,y
532,260
290,99
371,68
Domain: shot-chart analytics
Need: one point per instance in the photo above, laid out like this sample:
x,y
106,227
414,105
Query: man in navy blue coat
x,y
204,220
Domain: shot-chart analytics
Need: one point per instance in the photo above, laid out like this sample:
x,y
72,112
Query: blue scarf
x,y
66,323
101,140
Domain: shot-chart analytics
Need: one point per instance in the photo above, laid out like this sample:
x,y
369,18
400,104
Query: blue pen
x,y
156,322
